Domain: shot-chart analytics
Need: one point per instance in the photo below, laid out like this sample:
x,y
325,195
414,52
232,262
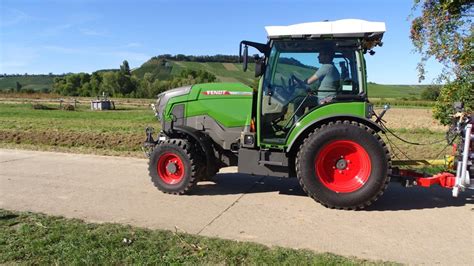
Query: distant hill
x,y
165,69
34,82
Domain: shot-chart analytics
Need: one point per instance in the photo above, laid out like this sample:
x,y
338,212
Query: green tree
x,y
85,90
18,86
125,68
96,79
145,89
126,85
430,93
443,31
59,85
109,83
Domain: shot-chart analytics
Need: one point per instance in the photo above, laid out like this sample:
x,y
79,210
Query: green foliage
x,y
459,90
123,84
431,93
27,90
444,31
18,86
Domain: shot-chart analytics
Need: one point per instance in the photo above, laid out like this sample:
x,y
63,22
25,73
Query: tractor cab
x,y
308,66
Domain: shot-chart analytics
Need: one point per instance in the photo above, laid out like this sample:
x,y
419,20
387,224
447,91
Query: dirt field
x,y
124,142
412,118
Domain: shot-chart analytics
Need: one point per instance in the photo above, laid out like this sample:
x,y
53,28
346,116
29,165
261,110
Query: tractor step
x,y
270,163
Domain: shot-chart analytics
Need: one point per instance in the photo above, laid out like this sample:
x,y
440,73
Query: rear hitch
x,y
409,178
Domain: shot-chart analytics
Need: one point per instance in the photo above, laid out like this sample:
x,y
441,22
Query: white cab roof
x,y
338,28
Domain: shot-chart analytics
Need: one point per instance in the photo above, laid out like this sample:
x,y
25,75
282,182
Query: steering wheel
x,y
294,81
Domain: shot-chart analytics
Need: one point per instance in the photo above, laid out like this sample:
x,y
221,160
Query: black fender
x,y
305,131
201,139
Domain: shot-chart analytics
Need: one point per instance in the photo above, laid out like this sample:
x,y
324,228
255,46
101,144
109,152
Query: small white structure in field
x,y
102,104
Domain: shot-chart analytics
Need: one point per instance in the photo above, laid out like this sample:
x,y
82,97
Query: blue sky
x,y
84,35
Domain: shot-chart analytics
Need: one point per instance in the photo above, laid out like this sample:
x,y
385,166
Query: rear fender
x,y
324,120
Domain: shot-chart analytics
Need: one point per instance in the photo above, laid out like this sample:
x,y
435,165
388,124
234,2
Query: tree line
x,y
5,75
122,83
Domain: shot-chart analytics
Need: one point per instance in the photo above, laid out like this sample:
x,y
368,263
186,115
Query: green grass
x,y
394,91
27,82
39,239
405,103
126,120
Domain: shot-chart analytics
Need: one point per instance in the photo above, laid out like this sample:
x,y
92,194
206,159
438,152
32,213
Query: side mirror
x,y
245,58
259,67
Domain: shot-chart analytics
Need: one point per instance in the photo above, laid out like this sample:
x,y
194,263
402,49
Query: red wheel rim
x,y
343,166
170,168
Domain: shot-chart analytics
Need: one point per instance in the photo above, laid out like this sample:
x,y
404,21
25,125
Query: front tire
x,y
173,168
343,165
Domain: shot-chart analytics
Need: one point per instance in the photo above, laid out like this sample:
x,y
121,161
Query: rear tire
x,y
173,168
343,165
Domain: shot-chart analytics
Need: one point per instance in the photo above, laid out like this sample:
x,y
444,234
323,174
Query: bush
x,y
460,90
45,90
69,107
431,93
27,90
38,106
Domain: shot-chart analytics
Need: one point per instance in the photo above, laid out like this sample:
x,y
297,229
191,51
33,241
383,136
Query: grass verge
x,y
39,239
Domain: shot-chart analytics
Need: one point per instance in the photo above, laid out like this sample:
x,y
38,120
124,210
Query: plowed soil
x,y
124,142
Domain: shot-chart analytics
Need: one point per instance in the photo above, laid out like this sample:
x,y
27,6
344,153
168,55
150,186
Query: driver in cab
x,y
328,75
329,79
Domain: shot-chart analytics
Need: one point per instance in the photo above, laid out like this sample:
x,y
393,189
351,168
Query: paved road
x,y
406,225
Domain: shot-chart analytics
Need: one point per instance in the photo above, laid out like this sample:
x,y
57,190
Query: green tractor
x,y
310,118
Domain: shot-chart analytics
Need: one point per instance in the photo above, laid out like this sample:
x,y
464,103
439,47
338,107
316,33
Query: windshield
x,y
302,75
